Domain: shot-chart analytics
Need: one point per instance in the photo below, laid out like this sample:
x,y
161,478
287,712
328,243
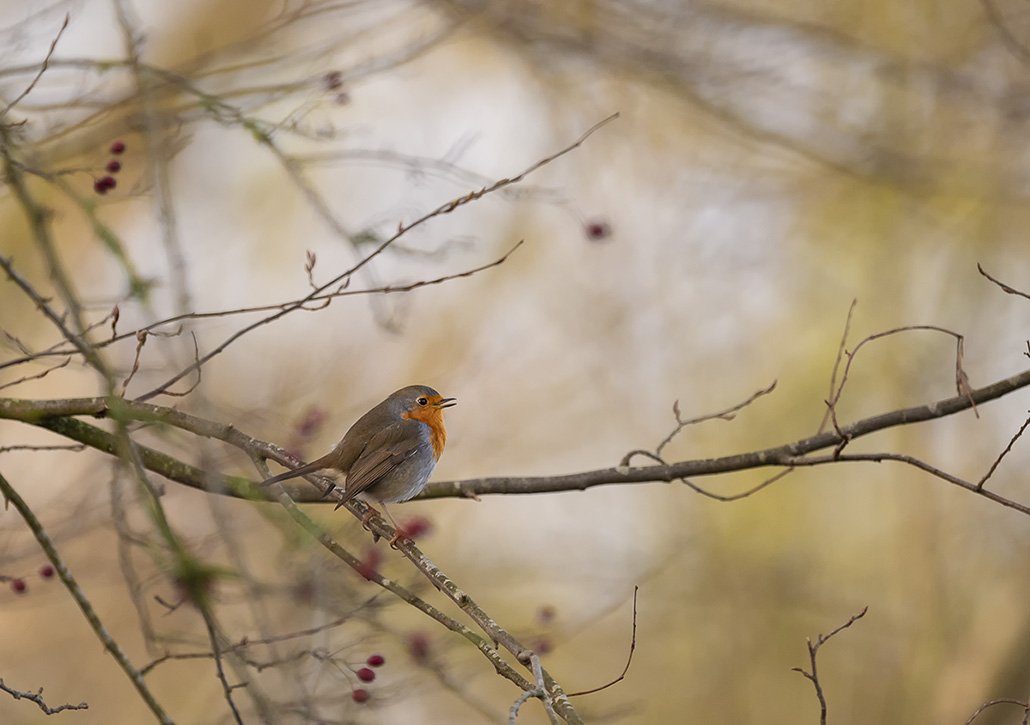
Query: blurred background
x,y
771,163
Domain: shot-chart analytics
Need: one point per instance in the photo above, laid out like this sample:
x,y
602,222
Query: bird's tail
x,y
302,471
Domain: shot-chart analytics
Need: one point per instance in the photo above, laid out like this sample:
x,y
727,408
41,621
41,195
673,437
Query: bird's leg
x,y
398,531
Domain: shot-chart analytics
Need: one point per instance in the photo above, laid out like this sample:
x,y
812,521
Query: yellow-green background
x,y
771,163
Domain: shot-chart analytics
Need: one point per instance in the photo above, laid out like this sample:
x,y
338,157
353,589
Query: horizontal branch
x,y
784,455
57,415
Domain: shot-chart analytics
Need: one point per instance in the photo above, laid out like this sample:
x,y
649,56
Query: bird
x,y
389,453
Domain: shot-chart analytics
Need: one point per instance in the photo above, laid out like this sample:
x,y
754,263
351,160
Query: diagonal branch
x,y
110,644
443,209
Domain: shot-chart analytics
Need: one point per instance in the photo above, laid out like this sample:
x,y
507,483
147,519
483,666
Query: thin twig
x,y
216,648
200,372
37,697
402,229
727,498
44,306
997,460
1001,701
813,649
110,644
37,376
42,70
1002,285
74,447
141,340
303,303
841,349
629,658
39,218
961,379
728,414
916,463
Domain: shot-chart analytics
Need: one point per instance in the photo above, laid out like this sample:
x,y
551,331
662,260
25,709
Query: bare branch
x,y
141,340
726,498
841,350
1004,287
728,414
37,376
922,465
37,697
629,658
1002,701
785,455
316,295
42,70
997,460
102,633
56,415
43,305
813,649
402,229
324,298
540,691
74,447
961,379
408,547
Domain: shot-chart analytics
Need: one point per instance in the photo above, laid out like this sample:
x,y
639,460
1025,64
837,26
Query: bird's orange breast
x,y
433,417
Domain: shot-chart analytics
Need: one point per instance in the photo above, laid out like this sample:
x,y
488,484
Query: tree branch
x,y
56,415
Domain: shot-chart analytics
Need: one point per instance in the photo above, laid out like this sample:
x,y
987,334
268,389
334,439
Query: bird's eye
x,y
422,401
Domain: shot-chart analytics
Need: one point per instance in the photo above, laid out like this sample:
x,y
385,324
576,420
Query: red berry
x,y
311,421
416,527
108,181
359,695
114,166
99,187
368,566
376,660
19,586
46,571
366,675
117,147
597,230
418,646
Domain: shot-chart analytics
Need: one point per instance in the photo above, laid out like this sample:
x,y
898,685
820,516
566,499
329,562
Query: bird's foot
x,y
368,517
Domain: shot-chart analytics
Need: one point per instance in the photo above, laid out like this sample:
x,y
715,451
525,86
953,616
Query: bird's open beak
x,y
446,403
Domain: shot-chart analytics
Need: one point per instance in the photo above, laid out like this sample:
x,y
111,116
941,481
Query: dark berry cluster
x,y
105,183
20,586
367,674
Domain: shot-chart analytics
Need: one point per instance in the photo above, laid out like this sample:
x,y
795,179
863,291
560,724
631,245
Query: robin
x,y
389,453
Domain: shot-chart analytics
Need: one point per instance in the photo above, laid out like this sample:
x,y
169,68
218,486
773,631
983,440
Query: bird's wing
x,y
384,451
